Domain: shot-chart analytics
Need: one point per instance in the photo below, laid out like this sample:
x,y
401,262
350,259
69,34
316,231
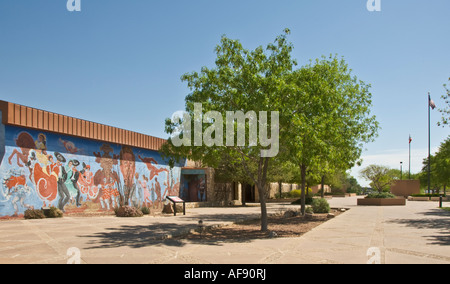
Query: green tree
x,y
281,172
242,80
353,185
446,110
443,164
440,168
434,179
329,117
380,177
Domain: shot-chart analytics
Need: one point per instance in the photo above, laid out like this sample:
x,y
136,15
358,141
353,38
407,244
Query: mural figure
x,y
172,187
63,191
41,143
72,181
147,201
110,194
41,169
193,188
86,183
154,171
17,190
128,170
45,179
202,189
26,143
158,193
107,163
69,146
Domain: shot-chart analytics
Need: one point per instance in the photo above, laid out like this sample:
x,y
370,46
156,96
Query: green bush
x,y
34,214
128,211
381,195
53,212
298,193
308,200
309,210
145,210
320,205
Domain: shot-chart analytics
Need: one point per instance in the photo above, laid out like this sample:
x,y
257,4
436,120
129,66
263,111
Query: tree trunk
x,y
262,176
260,182
244,189
262,200
323,185
303,196
280,188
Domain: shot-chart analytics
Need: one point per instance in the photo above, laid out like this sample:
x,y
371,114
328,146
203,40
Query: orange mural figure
x,y
154,171
107,163
110,194
172,190
45,179
158,193
69,146
26,143
86,183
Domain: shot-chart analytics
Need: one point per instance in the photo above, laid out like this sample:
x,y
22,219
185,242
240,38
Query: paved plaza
x,y
416,233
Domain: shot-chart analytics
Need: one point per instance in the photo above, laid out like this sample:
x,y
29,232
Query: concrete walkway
x,y
416,233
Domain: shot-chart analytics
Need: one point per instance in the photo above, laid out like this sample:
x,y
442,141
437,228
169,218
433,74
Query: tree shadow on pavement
x,y
137,236
168,234
437,219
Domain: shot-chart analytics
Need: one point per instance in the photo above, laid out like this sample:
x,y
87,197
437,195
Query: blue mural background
x,y
41,169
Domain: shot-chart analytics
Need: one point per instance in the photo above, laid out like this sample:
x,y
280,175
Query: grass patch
x,y
446,208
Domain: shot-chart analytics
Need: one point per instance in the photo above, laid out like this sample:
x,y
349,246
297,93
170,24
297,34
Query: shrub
x,y
34,214
298,193
128,211
145,210
308,200
320,205
309,210
53,212
381,195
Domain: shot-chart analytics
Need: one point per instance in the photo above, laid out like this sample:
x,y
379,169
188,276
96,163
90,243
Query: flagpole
x,y
410,157
429,141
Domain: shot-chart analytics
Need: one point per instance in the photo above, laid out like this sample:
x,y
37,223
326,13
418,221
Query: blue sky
x,y
119,62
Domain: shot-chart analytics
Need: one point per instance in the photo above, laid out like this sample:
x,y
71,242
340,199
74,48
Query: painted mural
x,y
42,169
193,187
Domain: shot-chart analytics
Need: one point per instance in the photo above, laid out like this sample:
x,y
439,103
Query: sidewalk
x,y
416,233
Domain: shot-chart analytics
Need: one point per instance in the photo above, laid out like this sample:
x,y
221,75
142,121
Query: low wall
x,y
426,198
418,198
382,201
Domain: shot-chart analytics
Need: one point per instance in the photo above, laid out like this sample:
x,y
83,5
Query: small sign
x,y
175,199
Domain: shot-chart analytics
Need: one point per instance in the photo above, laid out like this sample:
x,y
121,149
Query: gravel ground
x,y
279,226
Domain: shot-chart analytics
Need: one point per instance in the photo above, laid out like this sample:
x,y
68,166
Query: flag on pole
x,y
410,139
432,104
